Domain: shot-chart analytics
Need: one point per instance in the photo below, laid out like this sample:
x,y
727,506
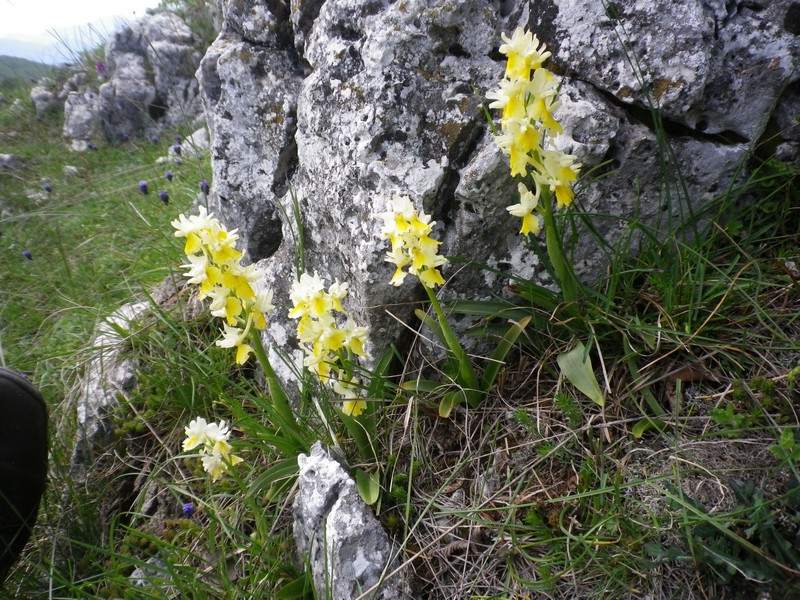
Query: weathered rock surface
x,y
151,65
81,114
42,96
107,376
154,575
344,102
150,70
349,553
11,162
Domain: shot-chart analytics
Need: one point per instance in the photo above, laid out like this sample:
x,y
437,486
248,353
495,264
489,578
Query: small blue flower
x,y
143,187
204,187
178,138
92,147
164,196
100,67
188,510
169,175
176,148
154,139
47,188
27,254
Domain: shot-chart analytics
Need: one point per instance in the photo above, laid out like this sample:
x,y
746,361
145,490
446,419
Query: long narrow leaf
x,y
502,350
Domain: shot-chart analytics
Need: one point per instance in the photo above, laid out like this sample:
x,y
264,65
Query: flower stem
x,y
468,377
555,250
279,396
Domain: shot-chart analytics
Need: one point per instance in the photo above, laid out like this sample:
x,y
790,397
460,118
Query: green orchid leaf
x,y
368,486
431,324
362,432
577,368
449,402
502,350
640,427
421,386
281,471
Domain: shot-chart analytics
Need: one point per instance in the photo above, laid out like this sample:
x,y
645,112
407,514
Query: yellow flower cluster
x,y
527,97
215,265
325,342
412,247
212,440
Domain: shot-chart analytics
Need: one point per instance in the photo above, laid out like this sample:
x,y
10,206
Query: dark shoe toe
x,y
23,463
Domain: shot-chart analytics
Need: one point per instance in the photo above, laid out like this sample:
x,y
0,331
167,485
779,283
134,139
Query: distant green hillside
x,y
13,70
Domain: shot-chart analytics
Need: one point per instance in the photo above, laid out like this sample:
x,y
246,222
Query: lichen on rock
x,y
341,104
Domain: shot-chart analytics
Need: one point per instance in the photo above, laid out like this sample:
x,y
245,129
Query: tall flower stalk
x,y
415,253
527,98
215,266
330,346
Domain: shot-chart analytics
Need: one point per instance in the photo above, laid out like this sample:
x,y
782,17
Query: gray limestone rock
x,y
81,115
107,375
11,162
74,83
711,65
155,576
151,65
258,21
349,553
197,144
43,97
339,104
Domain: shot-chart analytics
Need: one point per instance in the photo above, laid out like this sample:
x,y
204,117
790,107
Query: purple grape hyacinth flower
x,y
92,147
154,139
204,187
188,510
176,148
178,138
100,67
164,196
143,187
47,188
27,254
169,175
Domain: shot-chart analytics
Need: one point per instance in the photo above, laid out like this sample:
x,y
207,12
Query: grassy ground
x,y
684,484
74,253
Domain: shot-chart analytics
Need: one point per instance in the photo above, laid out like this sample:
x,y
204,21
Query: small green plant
x,y
732,421
787,450
745,544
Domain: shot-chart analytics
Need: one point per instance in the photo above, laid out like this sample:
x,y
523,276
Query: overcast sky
x,y
66,22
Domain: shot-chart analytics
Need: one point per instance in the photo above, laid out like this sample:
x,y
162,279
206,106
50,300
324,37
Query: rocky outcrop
x,y
349,554
43,97
146,84
108,375
81,115
341,103
150,65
